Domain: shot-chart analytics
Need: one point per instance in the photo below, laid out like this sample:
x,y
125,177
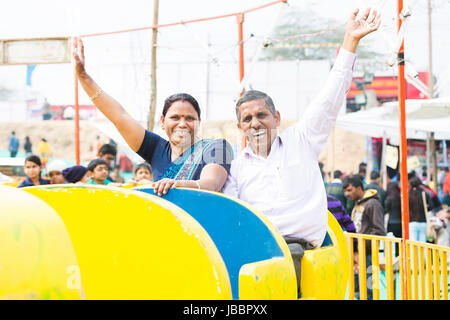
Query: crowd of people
x,y
101,171
427,208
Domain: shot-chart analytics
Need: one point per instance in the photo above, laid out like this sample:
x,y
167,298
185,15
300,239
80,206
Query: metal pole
x,y
240,21
383,166
403,149
431,90
151,116
430,54
77,124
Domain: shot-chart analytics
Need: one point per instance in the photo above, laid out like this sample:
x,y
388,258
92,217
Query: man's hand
x,y
358,28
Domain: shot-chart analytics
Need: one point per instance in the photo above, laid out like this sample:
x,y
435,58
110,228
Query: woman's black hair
x,y
34,158
181,97
416,205
393,189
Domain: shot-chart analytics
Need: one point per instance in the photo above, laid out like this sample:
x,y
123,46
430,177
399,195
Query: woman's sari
x,y
185,166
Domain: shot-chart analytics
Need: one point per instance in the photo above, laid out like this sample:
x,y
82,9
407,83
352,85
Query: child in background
x,y
76,174
98,170
440,222
33,170
142,174
54,171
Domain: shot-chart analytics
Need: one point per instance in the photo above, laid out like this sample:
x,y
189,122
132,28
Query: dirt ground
x,y
344,151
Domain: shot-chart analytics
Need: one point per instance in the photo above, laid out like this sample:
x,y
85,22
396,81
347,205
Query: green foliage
x,y
321,46
5,93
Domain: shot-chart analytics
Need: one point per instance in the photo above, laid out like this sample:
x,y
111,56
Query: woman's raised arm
x,y
130,129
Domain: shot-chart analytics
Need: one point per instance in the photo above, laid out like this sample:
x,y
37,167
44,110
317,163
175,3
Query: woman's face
x,y
181,123
32,170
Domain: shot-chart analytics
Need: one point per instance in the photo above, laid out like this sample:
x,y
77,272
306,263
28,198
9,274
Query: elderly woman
x,y
183,160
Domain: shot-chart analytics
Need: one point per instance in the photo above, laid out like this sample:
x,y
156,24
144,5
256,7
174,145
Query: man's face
x,y
353,193
259,125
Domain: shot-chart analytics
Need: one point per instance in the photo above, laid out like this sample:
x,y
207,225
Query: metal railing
x,y
377,265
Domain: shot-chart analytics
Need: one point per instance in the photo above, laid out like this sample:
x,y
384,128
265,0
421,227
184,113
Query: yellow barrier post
x,y
402,273
429,274
422,274
362,269
436,275
389,270
351,274
444,273
415,273
375,270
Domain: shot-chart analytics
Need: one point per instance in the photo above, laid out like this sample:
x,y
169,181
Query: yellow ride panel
x,y
325,270
37,260
132,245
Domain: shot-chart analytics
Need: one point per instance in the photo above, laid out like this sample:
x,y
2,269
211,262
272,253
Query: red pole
x,y
77,124
240,21
403,150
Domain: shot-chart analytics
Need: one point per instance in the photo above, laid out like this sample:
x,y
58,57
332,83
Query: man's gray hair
x,y
255,95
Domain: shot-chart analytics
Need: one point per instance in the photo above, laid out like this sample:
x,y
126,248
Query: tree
x,y
5,93
325,35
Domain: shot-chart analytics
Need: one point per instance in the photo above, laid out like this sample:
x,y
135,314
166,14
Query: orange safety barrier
x,y
426,270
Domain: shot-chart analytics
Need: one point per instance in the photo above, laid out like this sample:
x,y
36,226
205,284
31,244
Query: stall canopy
x,y
422,118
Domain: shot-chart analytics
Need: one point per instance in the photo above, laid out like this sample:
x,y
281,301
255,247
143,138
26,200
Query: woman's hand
x,y
78,55
162,186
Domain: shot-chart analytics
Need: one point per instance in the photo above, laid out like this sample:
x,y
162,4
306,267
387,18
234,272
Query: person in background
x,y
95,147
108,153
76,174
446,189
418,210
334,188
27,145
54,171
33,171
337,210
368,217
44,151
98,171
375,184
440,182
115,175
440,221
393,208
362,171
13,145
142,174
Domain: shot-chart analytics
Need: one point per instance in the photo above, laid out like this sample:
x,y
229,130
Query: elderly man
x,y
279,174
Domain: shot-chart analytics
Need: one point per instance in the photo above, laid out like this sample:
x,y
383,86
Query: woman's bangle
x,y
197,183
96,94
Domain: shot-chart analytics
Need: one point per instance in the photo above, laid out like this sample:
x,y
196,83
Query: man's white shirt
x,y
287,186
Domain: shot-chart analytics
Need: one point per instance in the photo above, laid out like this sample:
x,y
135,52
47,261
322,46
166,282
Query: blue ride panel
x,y
239,235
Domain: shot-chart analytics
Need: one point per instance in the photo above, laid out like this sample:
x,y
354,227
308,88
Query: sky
x,y
181,47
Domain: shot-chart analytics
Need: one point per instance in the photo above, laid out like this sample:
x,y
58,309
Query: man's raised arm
x,y
320,116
